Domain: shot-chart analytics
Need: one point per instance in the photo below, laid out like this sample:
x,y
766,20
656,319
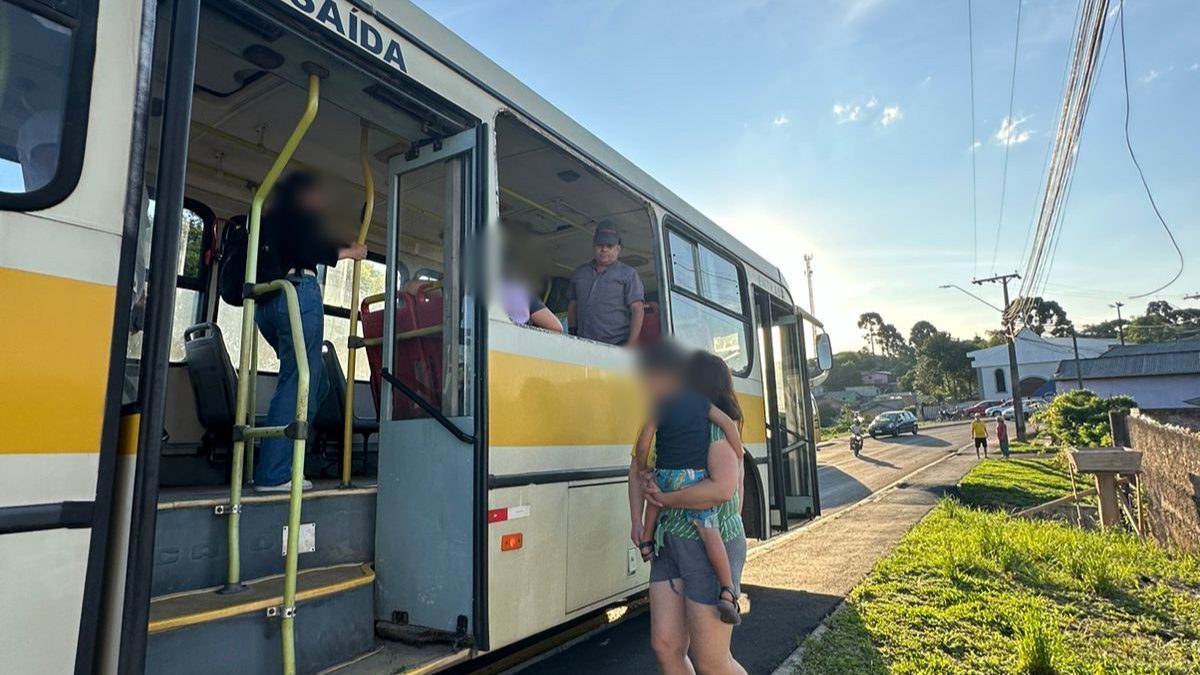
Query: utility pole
x,y
1120,322
812,306
1078,372
1013,369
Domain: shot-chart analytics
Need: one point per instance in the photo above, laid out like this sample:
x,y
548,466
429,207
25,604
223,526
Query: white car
x,y
1028,407
997,409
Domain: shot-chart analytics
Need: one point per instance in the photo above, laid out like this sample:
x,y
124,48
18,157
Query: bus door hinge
x,y
226,509
285,612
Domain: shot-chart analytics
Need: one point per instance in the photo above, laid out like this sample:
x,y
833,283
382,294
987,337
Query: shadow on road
x,y
839,488
877,462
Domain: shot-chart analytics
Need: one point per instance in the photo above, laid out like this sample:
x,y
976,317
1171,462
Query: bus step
x,y
396,657
190,549
205,632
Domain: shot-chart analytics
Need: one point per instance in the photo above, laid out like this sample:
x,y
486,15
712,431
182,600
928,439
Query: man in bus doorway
x,y
293,228
606,299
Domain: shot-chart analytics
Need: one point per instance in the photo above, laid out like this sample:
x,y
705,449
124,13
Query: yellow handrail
x,y
368,211
245,432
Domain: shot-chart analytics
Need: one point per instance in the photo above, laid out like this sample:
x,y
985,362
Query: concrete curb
x,y
797,656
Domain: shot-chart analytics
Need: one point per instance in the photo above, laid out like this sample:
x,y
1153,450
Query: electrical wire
x,y
1008,126
1142,174
974,141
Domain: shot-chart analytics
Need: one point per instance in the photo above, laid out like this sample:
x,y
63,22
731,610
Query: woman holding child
x,y
696,544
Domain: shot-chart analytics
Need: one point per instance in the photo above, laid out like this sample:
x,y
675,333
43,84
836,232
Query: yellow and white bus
x,y
475,496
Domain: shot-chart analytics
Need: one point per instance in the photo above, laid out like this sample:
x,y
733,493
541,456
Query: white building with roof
x,y
1157,376
1038,358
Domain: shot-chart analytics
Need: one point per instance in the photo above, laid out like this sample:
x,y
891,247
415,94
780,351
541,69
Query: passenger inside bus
x,y
551,204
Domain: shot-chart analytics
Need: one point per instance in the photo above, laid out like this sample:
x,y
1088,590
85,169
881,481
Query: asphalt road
x,y
845,479
781,612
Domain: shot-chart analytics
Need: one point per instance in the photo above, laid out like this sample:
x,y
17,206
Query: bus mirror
x,y
824,352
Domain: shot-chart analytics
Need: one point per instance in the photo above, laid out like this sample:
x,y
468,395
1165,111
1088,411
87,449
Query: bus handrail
x,y
428,407
298,429
368,212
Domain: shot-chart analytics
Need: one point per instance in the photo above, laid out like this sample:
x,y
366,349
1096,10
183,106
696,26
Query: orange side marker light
x,y
511,542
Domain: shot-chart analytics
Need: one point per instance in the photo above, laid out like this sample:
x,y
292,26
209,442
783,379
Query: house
x,y
1157,376
847,397
879,378
864,390
1037,361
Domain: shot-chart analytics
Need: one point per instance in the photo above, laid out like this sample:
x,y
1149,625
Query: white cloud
x,y
847,113
1194,66
891,114
1150,76
872,103
781,120
1010,133
925,82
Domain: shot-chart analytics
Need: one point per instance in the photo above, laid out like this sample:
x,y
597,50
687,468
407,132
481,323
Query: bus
x,y
469,473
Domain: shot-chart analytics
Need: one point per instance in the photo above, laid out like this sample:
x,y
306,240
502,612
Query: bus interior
x,y
250,86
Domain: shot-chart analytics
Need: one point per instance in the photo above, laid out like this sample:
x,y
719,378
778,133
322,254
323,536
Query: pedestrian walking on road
x,y
1002,435
979,434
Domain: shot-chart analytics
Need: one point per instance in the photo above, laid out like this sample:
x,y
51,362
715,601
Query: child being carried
x,y
679,426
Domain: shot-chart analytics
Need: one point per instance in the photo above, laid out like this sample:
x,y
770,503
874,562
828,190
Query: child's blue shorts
x,y
670,480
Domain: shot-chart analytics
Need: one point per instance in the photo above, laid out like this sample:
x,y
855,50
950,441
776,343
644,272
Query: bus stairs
x,y
195,628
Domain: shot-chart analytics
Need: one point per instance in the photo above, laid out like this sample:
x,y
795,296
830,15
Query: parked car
x,y
998,408
979,408
893,423
1028,407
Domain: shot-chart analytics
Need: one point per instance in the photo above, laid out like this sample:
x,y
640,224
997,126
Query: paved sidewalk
x,y
793,582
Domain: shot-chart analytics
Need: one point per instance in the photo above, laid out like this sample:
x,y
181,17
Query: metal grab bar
x,y
368,211
247,365
427,407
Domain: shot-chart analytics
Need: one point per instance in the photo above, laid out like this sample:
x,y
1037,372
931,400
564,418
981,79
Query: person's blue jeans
x,y
275,454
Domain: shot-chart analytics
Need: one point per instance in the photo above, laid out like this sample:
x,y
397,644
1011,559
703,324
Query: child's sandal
x,y
729,610
647,549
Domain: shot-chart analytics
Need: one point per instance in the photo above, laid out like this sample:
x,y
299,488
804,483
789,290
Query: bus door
x,y
790,443
425,524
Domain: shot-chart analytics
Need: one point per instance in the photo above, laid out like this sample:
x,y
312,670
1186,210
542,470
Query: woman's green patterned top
x,y
675,521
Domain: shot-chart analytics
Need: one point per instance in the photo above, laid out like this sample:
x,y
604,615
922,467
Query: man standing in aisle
x,y
606,299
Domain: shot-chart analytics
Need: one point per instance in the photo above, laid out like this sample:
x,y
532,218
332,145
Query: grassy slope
x,y
1016,483
970,591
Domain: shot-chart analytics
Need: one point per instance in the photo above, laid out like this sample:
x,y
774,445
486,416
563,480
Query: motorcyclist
x,y
856,435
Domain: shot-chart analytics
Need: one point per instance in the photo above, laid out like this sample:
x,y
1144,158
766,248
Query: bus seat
x,y
429,302
329,418
214,384
408,359
652,326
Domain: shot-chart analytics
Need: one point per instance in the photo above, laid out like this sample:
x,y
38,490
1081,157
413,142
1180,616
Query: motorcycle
x,y
856,443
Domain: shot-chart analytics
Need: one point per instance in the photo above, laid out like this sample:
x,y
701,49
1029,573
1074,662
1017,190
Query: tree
x,y
920,332
995,338
1160,323
1046,316
870,323
943,369
1079,418
891,342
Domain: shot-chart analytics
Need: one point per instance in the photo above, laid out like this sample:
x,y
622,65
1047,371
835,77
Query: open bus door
x,y
791,444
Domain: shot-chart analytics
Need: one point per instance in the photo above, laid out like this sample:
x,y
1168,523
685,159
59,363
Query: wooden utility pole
x,y
1078,372
1120,322
1013,368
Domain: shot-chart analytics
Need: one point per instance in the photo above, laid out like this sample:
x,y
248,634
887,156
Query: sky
x,y
843,128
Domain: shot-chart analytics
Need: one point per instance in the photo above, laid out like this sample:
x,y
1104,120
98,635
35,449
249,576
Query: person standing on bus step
x,y
606,299
1002,435
979,434
293,228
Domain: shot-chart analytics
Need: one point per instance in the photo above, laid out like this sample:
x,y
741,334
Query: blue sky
x,y
843,128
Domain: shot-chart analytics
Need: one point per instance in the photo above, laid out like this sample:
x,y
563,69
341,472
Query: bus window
x,y
707,307
338,286
42,112
550,204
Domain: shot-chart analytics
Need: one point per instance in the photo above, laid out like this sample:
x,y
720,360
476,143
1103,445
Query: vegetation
x,y
1161,322
1079,418
1015,484
970,591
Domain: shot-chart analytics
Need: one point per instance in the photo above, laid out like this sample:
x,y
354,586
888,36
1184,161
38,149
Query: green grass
x,y
1016,484
1023,448
971,591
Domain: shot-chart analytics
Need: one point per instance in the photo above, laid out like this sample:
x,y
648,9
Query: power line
x,y
974,185
1141,174
1008,127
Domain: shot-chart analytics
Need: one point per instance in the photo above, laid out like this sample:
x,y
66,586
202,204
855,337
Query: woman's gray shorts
x,y
686,559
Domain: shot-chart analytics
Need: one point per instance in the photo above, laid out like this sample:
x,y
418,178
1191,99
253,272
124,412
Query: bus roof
x,y
444,45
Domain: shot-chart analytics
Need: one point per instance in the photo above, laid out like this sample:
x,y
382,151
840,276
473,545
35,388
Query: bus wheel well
x,y
753,507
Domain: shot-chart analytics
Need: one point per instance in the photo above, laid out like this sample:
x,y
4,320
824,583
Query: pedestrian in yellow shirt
x,y
979,433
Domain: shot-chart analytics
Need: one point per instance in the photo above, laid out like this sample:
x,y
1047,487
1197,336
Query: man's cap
x,y
606,234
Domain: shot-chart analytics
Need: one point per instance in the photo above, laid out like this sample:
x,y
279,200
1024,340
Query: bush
x,y
1080,418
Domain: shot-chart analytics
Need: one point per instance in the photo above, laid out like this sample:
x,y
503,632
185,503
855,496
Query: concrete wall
x,y
1170,475
987,376
1151,393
